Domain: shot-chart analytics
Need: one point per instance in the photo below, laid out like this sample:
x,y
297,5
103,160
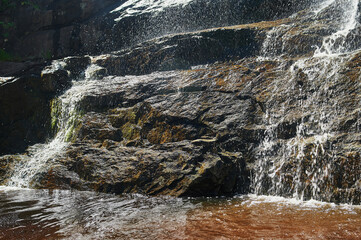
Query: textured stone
x,y
50,29
25,102
201,114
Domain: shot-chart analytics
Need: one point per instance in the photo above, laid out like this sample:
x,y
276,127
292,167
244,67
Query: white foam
x,y
135,7
6,79
253,199
323,5
335,44
10,189
316,119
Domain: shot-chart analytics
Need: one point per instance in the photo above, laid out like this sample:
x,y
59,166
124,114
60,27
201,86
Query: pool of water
x,y
44,214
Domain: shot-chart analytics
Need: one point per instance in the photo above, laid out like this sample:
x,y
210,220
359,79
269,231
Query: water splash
x,y
296,166
67,110
134,7
322,6
338,43
40,156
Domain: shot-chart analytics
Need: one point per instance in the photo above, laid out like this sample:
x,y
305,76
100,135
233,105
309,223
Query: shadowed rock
x,y
51,29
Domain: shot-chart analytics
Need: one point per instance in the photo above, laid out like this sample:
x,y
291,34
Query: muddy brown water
x,y
43,214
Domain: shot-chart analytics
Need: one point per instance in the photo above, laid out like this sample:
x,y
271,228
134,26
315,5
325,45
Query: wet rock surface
x,y
200,132
25,101
24,111
7,164
144,141
177,169
248,108
52,29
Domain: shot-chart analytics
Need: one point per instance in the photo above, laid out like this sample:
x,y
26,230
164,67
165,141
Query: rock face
x,y
46,29
25,102
249,108
51,29
24,108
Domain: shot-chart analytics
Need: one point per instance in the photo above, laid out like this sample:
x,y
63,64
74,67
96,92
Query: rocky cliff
x,y
270,107
51,29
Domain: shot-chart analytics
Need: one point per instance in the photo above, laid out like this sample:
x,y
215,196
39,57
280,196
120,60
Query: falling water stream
x,y
320,71
41,155
58,214
66,112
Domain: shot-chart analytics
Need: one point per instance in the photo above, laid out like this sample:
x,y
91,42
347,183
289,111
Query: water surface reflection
x,y
43,214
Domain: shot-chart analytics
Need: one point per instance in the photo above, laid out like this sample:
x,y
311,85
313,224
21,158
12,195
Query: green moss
x,y
130,131
120,117
6,5
55,111
30,3
75,127
72,133
5,56
131,116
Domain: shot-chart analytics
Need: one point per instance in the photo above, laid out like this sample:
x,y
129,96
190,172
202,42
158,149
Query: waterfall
x,y
338,43
298,166
65,114
295,149
66,111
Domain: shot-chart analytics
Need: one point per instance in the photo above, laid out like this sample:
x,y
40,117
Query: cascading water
x,y
288,117
66,112
341,41
293,166
301,166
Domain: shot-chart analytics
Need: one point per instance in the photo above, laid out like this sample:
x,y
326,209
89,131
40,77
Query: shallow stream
x,y
44,214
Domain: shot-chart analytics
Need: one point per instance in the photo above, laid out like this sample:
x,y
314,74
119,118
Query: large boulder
x,y
240,125
177,169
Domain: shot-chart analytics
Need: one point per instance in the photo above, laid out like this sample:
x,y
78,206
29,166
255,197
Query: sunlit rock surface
x,y
270,107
